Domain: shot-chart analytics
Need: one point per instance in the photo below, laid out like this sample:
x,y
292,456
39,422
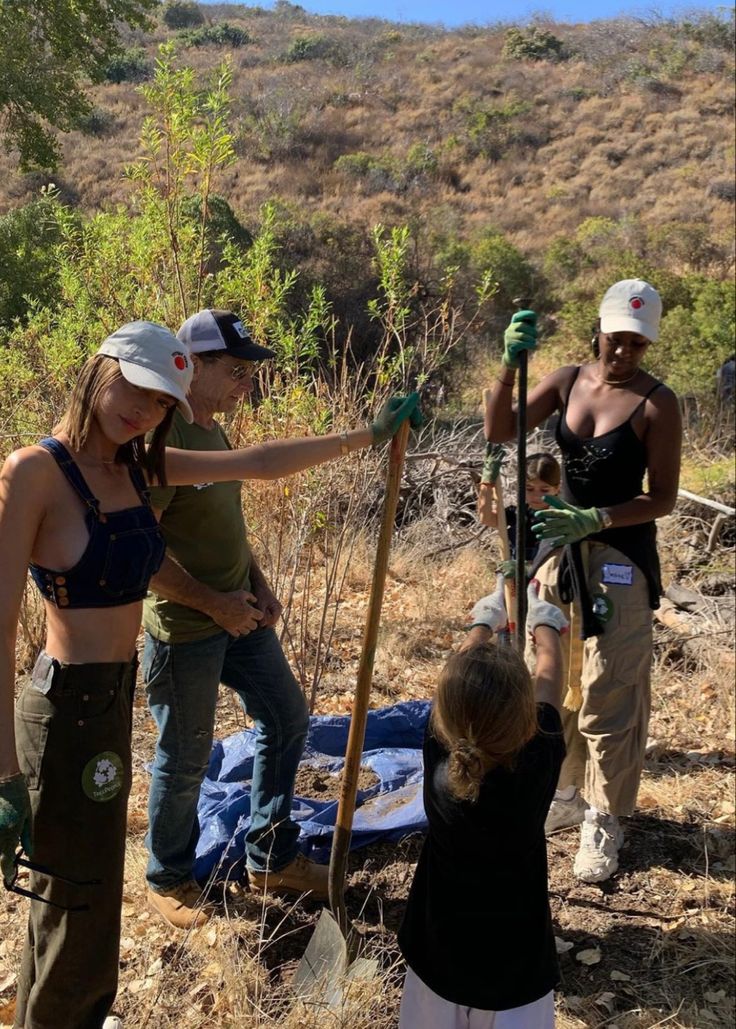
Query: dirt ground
x,y
314,782
653,947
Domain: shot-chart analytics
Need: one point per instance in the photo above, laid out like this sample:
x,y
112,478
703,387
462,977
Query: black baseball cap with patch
x,y
221,330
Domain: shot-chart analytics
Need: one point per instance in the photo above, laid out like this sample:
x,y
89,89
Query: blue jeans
x,y
182,681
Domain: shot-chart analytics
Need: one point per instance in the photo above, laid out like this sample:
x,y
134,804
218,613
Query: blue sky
x,y
481,12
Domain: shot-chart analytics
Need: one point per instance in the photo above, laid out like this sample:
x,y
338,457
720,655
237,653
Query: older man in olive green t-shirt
x,y
209,618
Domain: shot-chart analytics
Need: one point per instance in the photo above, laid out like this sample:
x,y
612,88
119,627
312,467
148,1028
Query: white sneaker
x,y
601,837
112,1022
563,814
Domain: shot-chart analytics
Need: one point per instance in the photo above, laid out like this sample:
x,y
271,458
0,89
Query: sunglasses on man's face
x,y
21,862
241,370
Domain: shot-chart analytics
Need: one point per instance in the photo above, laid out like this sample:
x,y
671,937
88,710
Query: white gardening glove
x,y
541,612
491,610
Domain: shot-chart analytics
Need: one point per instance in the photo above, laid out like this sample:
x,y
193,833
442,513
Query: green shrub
x,y
312,48
536,44
388,174
131,65
222,34
562,261
490,130
507,265
421,160
28,259
376,174
712,30
222,222
182,14
355,165
96,122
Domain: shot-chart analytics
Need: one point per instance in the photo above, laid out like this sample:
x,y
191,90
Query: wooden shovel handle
x,y
356,736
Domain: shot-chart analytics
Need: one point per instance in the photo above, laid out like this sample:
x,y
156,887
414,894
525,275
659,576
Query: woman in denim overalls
x,y
74,509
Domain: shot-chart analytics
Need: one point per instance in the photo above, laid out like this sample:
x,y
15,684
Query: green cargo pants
x,y
73,726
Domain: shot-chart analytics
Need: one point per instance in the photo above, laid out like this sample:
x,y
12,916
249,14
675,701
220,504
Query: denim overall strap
x,y
71,472
141,486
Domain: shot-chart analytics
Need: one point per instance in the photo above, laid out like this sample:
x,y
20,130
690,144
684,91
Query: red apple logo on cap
x,y
180,360
636,303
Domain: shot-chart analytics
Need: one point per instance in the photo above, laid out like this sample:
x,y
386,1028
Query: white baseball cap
x,y
153,358
631,305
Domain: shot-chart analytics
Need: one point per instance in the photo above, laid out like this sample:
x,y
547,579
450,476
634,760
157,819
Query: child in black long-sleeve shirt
x,y
477,934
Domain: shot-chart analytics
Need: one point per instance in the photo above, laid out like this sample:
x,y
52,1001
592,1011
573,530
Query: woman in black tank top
x,y
619,433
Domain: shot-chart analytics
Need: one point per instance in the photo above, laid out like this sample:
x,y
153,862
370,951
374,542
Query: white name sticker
x,y
618,575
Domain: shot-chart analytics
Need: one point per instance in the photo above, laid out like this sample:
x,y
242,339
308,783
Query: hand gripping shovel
x,y
356,736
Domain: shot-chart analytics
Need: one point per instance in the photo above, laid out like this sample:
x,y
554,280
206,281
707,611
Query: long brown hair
x,y
97,374
484,712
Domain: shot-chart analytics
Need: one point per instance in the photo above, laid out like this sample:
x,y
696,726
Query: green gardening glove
x,y
395,411
521,335
15,823
563,523
508,569
495,457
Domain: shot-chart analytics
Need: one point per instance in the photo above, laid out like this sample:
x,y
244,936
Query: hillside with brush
x,y
559,157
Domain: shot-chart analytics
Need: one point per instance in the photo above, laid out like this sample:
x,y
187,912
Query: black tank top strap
x,y
656,385
71,472
573,380
643,400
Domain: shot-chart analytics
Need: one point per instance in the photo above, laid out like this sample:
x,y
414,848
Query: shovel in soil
x,y
325,978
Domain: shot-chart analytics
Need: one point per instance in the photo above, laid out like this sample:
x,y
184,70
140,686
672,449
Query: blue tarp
x,y
391,809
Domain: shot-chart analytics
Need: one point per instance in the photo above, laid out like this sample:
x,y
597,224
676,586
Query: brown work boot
x,y
182,906
300,876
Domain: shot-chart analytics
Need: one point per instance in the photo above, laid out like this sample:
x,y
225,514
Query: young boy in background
x,y
542,477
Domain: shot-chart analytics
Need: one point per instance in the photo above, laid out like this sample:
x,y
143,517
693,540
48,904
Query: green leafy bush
x,y
313,48
387,173
131,65
712,30
421,160
376,174
491,129
28,260
182,14
536,44
222,34
97,122
507,266
696,339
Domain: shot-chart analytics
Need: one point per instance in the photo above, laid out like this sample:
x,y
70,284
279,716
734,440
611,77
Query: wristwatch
x,y
606,520
344,445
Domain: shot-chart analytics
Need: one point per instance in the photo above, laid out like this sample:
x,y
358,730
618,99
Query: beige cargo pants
x,y
606,738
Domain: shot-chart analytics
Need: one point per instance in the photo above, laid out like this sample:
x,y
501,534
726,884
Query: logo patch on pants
x,y
102,777
602,607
